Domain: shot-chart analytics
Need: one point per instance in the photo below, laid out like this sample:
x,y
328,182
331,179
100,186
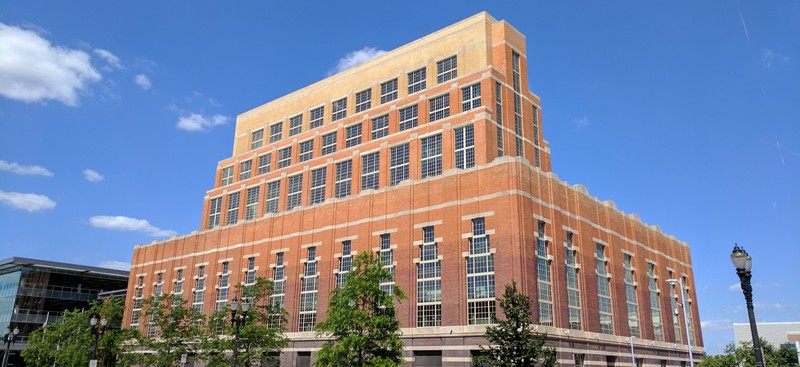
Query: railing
x,y
35,316
59,292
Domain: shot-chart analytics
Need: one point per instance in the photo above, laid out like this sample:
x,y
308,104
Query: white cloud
x,y
143,81
112,60
113,264
15,167
716,325
122,223
769,57
197,122
26,201
34,70
355,58
92,175
581,122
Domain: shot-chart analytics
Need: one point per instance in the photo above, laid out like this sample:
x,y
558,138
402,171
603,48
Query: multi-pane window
x,y
137,301
446,69
264,163
278,295
318,178
573,286
408,118
517,102
389,90
178,282
544,277
250,274
380,127
465,146
480,276
363,100
398,160
370,170
273,195
345,264
294,192
159,288
223,286
673,298
227,176
439,107
352,135
688,311
308,292
471,97
306,150
655,302
632,305
315,117
256,138
431,156
498,106
344,177
245,168
328,143
386,257
429,281
604,291
233,208
285,157
416,80
199,288
295,125
214,212
251,206
275,132
536,136
339,109
580,359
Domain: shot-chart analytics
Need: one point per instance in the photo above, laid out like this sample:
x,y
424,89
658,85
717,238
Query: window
x,y
632,305
580,359
223,286
178,282
233,208
199,288
344,175
352,136
431,156
329,143
416,80
389,91
316,116
245,168
264,163
573,288
398,159
227,176
318,177
250,275
339,109
256,138
517,103
345,264
673,298
465,146
408,117
278,290
273,194
446,69
159,284
604,291
363,100
380,127
306,150
251,208
535,125
386,256
370,170
439,107
275,132
285,157
480,276
429,282
543,277
655,302
498,95
295,125
214,212
308,292
294,193
471,97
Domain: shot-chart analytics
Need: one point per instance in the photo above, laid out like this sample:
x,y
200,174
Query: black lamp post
x,y
238,321
97,331
743,262
9,337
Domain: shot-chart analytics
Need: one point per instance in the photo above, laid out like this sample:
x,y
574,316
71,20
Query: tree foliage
x,y
178,329
744,356
69,340
512,341
361,319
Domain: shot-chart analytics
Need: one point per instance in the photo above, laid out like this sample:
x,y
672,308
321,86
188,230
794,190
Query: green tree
x,y
512,342
361,319
743,355
261,336
69,340
177,328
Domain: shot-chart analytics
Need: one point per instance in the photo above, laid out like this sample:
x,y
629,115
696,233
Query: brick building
x,y
433,156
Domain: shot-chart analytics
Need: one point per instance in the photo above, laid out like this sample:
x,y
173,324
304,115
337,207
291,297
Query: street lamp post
x,y
9,337
97,331
238,321
743,262
685,319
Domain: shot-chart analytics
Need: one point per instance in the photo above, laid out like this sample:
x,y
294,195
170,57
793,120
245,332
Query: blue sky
x,y
114,115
